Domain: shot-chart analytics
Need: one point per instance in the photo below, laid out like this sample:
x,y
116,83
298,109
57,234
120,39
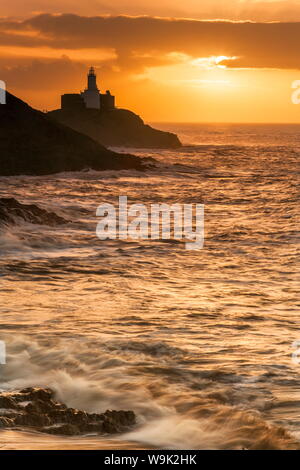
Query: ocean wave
x,y
95,375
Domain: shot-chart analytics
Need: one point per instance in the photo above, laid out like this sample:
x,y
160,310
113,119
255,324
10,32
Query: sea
x,y
201,344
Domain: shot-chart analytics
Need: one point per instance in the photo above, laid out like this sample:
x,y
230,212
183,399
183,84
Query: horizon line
x,y
227,122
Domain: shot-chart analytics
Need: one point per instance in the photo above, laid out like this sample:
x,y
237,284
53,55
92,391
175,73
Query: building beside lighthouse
x,y
90,98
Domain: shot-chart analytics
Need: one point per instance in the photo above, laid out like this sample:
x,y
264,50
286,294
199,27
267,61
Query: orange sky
x,y
171,65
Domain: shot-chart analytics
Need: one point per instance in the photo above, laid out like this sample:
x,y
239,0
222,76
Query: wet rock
x,y
36,408
38,393
6,402
63,429
32,420
11,209
6,422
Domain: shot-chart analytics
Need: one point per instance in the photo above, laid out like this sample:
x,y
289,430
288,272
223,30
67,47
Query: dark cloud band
x,y
257,45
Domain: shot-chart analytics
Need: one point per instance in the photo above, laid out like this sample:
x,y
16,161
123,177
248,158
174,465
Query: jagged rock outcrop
x,y
11,210
35,408
115,128
31,143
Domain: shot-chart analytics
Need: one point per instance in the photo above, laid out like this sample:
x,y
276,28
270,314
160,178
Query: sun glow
x,y
201,72
212,62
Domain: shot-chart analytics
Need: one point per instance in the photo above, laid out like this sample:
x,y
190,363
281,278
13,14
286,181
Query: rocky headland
x,y
32,143
115,128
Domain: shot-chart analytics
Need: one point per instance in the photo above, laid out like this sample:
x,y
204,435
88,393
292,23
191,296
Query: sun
x,y
212,62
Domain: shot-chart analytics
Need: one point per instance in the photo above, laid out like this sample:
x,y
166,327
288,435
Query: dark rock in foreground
x,y
115,128
11,209
33,144
35,408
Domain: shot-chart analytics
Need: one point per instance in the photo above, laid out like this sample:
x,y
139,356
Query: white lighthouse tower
x,y
91,94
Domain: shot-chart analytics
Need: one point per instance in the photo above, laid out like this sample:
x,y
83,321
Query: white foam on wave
x,y
89,376
9,240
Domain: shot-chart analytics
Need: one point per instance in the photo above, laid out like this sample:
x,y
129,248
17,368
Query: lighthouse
x,y
91,94
89,98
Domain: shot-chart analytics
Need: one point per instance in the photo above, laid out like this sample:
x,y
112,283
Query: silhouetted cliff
x,y
115,128
31,143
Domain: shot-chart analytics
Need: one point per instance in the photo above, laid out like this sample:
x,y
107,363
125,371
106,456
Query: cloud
x,y
141,42
256,10
38,75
